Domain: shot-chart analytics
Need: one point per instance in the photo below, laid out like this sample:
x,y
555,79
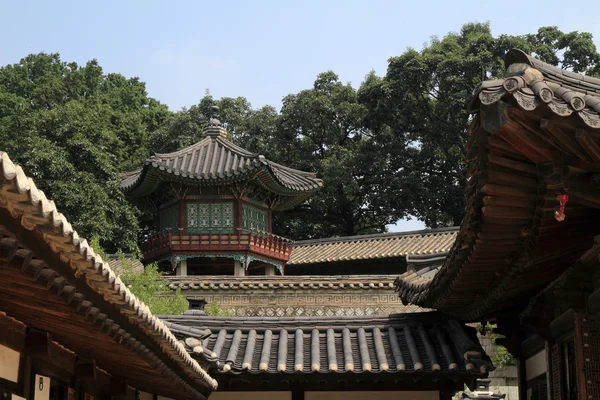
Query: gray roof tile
x,y
394,344
367,247
215,159
533,82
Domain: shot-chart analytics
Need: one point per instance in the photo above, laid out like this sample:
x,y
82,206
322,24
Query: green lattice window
x,y
209,217
168,218
254,218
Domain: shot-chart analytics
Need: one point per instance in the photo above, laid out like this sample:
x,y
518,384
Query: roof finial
x,y
214,128
214,115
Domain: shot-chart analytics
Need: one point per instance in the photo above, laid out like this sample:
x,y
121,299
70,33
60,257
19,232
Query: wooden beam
x,y
589,144
118,386
526,138
12,333
85,369
37,343
11,245
584,194
569,145
297,394
576,299
132,363
29,301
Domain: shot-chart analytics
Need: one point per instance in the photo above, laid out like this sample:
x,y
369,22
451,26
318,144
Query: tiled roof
x,y
29,209
119,268
522,156
298,282
370,247
396,344
532,82
215,160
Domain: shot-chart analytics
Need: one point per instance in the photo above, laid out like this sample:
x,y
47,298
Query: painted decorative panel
x,y
169,218
192,216
254,219
228,215
209,217
203,215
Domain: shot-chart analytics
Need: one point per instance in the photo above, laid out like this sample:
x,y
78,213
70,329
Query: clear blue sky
x,y
260,49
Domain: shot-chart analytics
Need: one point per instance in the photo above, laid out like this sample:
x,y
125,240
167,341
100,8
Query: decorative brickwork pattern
x,y
272,304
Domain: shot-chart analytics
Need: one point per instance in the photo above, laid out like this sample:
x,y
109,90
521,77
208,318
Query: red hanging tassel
x,y
559,214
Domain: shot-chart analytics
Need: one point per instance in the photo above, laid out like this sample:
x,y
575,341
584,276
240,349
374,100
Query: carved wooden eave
x,y
535,137
53,281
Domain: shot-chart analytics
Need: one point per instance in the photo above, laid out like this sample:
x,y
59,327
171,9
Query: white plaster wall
x,y
357,395
251,396
360,395
146,396
9,364
535,365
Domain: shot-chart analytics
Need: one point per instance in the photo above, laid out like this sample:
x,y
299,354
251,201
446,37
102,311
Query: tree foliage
x,y
319,129
214,310
390,148
423,100
151,289
73,129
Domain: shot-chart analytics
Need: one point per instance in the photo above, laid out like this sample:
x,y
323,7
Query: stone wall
x,y
296,295
313,302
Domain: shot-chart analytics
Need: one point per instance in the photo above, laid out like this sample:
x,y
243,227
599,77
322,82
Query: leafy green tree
x,y
423,101
150,288
73,129
393,147
319,129
214,310
322,129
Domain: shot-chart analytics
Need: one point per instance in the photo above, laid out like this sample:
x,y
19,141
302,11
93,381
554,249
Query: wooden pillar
x,y
237,205
522,377
269,270
182,268
270,220
297,394
182,218
238,268
445,395
27,376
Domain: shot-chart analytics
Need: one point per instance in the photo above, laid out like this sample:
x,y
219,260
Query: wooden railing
x,y
261,243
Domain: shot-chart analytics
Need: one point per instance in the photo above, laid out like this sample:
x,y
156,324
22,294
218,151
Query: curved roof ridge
x,y
234,147
294,170
532,83
384,235
550,72
218,159
198,144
